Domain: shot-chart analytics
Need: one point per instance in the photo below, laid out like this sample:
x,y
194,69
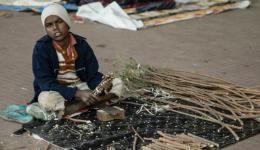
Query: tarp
x,y
67,134
31,5
28,2
16,113
112,15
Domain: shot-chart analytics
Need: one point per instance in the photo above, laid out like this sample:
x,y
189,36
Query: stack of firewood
x,y
179,142
194,95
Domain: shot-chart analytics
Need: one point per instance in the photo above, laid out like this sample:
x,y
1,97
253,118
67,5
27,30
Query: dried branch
x,y
198,96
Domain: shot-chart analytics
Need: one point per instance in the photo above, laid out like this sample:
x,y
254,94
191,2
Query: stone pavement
x,y
225,45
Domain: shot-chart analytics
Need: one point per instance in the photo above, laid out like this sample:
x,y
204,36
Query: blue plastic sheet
x,y
16,113
68,6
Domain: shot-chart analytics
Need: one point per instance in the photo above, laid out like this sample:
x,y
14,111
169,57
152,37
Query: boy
x,y
65,69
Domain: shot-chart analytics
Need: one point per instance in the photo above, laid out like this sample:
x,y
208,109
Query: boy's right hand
x,y
86,96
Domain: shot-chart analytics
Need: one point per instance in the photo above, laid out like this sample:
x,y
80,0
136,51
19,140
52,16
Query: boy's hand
x,y
86,96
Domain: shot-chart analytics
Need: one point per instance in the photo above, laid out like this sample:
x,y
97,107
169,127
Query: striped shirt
x,y
66,57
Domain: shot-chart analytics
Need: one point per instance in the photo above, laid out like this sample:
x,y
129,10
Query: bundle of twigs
x,y
179,142
194,95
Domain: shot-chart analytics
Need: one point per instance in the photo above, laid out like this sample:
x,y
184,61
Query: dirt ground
x,y
226,46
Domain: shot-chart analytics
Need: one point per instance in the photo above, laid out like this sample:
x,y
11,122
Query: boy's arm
x,y
93,76
45,76
115,90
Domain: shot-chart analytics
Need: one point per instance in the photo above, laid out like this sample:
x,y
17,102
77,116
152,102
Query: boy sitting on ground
x,y
65,69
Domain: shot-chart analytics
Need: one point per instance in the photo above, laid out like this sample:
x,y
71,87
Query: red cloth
x,y
70,54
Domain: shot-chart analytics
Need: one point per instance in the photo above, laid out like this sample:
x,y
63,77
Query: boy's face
x,y
56,28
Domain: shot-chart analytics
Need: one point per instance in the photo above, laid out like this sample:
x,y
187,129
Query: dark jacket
x,y
45,67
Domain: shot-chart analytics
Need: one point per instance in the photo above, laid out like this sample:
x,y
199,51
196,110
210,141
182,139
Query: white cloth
x,y
118,87
51,101
54,101
80,85
189,1
112,15
56,10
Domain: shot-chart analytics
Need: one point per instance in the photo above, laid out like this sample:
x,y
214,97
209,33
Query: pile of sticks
x,y
194,95
179,142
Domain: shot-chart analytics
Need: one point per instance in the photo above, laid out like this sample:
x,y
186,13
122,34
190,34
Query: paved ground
x,y
225,45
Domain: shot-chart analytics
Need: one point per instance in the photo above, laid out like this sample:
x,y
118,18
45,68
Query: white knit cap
x,y
56,10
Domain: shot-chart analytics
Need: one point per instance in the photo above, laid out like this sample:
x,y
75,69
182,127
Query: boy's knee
x,y
118,87
51,101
